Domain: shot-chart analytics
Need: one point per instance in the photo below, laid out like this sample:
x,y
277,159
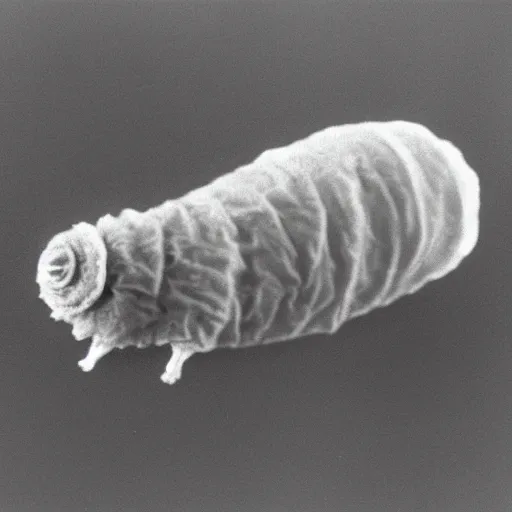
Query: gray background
x,y
110,106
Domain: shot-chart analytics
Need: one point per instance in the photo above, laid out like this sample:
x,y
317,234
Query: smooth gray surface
x,y
105,107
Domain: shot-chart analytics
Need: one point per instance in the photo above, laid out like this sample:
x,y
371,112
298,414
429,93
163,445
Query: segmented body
x,y
310,235
297,242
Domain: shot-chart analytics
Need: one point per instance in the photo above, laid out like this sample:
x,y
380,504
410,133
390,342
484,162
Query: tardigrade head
x,y
72,270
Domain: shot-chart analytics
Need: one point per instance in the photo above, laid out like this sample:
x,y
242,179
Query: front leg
x,y
97,350
180,353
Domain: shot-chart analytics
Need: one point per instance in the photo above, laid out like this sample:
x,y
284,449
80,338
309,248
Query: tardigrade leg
x,y
97,350
180,353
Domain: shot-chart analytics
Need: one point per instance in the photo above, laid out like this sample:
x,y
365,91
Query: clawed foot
x,y
173,369
96,351
170,377
86,365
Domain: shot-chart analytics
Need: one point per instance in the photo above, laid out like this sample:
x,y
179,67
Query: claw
x,y
169,378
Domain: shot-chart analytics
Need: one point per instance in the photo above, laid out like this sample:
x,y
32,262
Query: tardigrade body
x,y
297,242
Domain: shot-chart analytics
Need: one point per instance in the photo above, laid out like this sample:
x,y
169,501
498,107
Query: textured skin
x,y
297,242
310,235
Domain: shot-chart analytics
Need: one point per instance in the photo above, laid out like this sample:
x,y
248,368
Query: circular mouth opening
x,y
57,266
72,270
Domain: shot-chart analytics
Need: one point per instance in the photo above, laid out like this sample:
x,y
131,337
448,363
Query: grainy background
x,y
125,105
